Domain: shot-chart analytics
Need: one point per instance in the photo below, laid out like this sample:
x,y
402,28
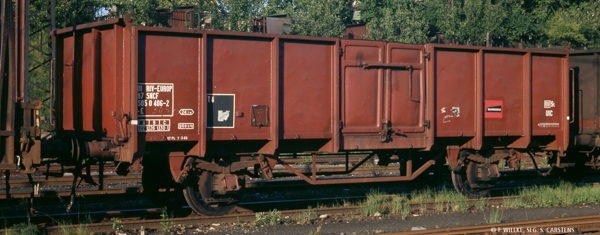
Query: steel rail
x,y
244,212
245,215
582,224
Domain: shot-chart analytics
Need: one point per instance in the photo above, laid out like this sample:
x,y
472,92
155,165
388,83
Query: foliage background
x,y
512,23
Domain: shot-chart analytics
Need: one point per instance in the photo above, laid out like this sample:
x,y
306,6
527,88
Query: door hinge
x,y
341,124
427,124
341,51
427,55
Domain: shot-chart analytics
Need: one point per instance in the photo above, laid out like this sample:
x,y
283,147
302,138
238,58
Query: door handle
x,y
387,66
408,67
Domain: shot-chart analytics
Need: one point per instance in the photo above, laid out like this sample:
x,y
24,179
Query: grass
x,y
439,206
353,216
501,165
307,162
66,226
405,211
544,162
165,225
307,216
513,203
381,203
480,204
561,194
423,195
449,200
375,169
116,224
376,203
67,229
239,221
460,205
397,205
494,217
271,218
342,203
25,228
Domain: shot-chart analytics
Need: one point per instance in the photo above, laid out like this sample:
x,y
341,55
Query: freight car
x,y
200,108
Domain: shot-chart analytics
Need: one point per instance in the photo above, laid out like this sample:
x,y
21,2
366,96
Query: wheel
x,y
156,175
462,185
200,188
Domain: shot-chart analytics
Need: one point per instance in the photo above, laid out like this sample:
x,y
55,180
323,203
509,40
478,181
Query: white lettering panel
x,y
155,99
154,125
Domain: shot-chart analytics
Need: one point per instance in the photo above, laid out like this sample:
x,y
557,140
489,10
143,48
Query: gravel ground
x,y
386,224
331,225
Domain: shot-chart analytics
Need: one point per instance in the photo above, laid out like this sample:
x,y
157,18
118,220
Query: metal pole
x,y
24,50
53,64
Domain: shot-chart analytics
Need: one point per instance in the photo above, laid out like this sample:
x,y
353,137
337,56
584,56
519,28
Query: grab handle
x,y
408,67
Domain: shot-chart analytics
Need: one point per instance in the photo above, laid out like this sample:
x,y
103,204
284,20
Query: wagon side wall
x,y
93,76
586,69
500,97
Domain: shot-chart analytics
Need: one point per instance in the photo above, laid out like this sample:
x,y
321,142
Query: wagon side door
x,y
404,100
362,89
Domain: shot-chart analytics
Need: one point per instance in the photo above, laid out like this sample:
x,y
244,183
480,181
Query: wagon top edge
x,y
430,46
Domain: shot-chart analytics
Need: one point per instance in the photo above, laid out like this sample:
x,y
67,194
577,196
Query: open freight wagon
x,y
200,108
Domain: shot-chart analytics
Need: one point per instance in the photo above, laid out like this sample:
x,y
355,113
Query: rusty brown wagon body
x,y
202,108
223,97
282,88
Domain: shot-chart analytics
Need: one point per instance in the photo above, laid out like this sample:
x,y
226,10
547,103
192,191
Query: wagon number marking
x,y
155,99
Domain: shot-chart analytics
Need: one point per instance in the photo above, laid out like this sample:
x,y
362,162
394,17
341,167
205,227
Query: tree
x,y
323,18
239,14
517,24
396,20
74,12
142,10
469,21
579,25
272,7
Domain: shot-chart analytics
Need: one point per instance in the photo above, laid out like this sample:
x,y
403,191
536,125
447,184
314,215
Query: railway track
x,y
573,225
246,212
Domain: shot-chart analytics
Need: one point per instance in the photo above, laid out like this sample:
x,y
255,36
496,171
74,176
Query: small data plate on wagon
x,y
154,125
221,110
